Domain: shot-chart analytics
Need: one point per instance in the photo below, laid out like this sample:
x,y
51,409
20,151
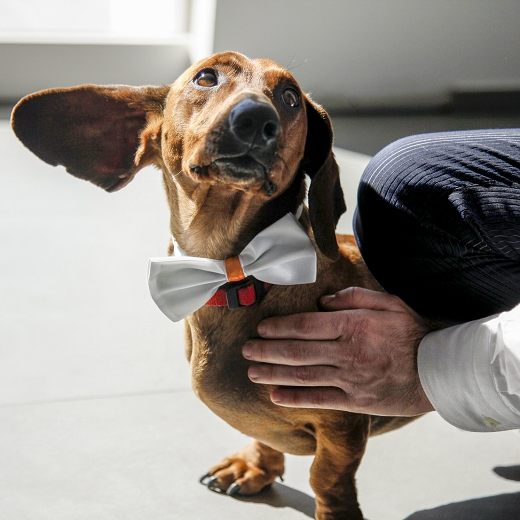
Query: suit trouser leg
x,y
438,222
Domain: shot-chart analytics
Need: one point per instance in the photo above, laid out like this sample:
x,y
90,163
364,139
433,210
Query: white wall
x,y
26,68
380,52
348,53
31,61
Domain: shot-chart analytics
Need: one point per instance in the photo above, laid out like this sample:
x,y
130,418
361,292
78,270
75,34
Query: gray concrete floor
x,y
368,133
97,418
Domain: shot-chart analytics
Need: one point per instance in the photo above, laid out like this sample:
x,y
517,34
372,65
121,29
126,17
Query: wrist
x,y
423,403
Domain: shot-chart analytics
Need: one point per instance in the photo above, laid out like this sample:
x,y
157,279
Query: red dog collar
x,y
236,295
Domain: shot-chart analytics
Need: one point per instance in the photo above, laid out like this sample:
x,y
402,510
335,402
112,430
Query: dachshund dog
x,y
234,139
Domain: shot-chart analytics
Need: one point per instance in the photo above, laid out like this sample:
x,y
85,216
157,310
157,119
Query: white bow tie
x,y
281,254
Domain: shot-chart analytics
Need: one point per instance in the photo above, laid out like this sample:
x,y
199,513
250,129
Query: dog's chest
x,y
219,371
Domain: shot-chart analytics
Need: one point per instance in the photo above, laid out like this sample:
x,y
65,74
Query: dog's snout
x,y
254,122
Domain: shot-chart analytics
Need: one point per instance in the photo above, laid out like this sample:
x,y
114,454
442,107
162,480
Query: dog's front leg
x,y
247,471
339,450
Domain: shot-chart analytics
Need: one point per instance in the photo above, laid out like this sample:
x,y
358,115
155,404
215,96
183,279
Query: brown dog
x,y
234,138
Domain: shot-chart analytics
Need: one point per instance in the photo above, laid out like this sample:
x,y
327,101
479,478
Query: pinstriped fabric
x,y
438,222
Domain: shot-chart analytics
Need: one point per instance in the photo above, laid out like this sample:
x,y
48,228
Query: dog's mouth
x,y
242,167
244,170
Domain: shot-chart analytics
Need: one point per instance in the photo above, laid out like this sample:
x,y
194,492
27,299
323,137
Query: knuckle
x,y
360,359
393,298
346,380
304,324
317,399
355,325
302,375
296,398
347,296
293,353
354,294
268,372
362,325
355,291
394,301
262,373
365,402
261,351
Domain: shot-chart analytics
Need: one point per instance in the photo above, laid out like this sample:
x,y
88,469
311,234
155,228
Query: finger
x,y
292,352
321,397
293,376
307,325
361,298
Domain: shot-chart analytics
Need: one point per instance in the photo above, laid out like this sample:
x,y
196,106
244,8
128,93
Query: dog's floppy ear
x,y
96,132
326,200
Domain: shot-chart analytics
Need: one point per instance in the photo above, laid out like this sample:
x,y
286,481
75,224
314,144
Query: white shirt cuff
x,y
471,372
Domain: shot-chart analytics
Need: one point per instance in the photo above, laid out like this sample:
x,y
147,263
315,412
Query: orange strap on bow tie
x,y
234,271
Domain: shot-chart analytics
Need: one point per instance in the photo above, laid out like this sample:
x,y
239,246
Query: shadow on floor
x,y
499,507
508,472
279,495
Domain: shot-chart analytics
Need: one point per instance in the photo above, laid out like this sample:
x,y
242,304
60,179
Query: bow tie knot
x,y
281,254
234,269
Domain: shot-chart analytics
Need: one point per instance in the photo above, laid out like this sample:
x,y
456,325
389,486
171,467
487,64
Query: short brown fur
x,y
106,134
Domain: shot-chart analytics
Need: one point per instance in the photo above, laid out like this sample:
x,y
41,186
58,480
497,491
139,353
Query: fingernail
x,y
327,298
276,397
247,350
254,373
262,328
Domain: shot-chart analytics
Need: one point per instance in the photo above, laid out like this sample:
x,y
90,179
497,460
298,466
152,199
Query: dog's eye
x,y
291,97
206,78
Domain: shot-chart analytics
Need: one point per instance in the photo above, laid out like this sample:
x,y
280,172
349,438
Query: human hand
x,y
361,356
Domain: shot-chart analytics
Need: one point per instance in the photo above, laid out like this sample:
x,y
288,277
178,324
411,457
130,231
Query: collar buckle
x,y
245,293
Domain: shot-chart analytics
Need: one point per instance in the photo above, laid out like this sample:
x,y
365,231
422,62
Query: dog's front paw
x,y
246,472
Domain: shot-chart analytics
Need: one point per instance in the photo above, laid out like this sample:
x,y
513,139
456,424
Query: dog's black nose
x,y
254,122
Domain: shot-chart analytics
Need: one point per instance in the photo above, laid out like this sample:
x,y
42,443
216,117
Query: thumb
x,y
361,298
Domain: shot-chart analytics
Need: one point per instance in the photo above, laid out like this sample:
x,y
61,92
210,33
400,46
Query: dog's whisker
x,y
292,59
296,66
